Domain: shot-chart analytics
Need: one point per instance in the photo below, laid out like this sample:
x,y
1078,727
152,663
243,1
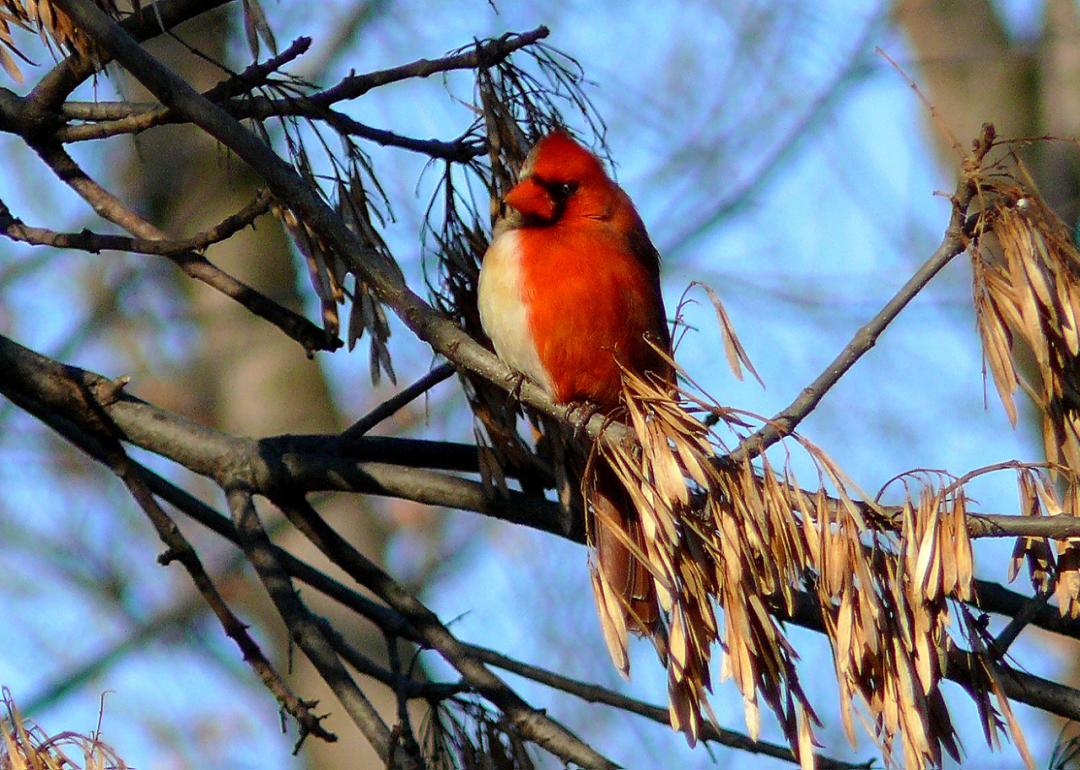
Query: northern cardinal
x,y
570,296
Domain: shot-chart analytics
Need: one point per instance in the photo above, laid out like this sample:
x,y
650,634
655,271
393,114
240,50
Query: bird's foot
x,y
579,413
517,381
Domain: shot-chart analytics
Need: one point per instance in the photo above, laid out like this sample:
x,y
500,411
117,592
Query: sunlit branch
x,y
953,243
59,385
388,466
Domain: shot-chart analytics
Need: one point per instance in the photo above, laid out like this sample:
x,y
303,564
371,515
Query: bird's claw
x,y
578,415
517,381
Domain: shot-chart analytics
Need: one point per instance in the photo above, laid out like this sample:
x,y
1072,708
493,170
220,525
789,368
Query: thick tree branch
x,y
267,466
301,464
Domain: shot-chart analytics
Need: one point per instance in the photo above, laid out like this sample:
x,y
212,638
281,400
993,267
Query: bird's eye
x,y
564,190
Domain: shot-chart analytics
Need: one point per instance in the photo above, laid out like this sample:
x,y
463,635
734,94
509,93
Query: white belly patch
x,y
503,312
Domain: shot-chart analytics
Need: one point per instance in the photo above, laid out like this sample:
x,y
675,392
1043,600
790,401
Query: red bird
x,y
570,296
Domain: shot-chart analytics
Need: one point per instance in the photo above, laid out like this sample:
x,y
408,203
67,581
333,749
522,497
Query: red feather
x,y
570,295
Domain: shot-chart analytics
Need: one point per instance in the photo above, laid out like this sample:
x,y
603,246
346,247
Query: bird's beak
x,y
533,201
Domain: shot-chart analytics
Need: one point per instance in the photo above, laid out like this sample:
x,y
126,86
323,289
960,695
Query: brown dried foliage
x,y
329,270
460,734
25,746
743,537
746,539
47,20
54,26
1026,285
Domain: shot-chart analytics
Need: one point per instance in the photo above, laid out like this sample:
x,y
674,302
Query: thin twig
x,y
179,549
95,243
395,403
190,262
485,54
402,685
592,693
135,117
785,422
402,692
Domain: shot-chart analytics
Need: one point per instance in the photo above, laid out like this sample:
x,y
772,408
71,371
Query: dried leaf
x,y
733,349
256,26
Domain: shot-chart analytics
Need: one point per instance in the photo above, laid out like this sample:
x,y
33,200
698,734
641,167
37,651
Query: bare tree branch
x,y
149,22
179,549
533,724
391,406
95,243
485,54
190,262
785,421
320,463
305,630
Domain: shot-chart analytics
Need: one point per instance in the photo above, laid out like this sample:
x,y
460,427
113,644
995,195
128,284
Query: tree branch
x,y
305,630
393,405
532,724
783,423
338,463
485,54
95,243
65,381
190,262
179,549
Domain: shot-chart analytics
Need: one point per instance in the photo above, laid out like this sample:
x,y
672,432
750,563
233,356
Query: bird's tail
x,y
654,568
625,586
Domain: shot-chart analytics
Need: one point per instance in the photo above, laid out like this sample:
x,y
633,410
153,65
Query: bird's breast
x,y
504,303
572,306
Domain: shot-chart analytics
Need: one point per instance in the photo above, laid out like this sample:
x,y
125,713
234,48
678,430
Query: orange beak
x,y
532,201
